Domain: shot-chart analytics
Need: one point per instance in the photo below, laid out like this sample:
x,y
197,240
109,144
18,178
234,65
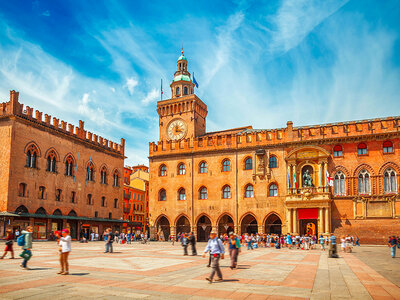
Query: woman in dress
x,y
9,244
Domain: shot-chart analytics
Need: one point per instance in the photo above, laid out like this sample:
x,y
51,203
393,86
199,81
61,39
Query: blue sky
x,y
257,63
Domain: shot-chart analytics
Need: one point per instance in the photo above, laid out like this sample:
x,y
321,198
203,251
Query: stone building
x,y
271,180
55,175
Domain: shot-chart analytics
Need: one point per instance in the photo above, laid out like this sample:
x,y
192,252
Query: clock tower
x,y
184,115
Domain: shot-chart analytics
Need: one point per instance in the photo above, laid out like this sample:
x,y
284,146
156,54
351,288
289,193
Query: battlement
x,y
13,107
249,137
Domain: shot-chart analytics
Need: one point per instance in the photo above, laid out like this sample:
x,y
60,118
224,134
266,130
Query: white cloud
x,y
130,84
151,97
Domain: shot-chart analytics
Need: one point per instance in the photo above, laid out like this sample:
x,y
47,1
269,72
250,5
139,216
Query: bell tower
x,y
184,115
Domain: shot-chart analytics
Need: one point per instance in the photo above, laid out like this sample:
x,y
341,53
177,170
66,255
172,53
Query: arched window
x,y
389,181
226,165
116,178
181,169
273,190
363,182
89,172
248,164
337,151
22,190
362,149
31,157
339,184
103,175
181,194
163,170
203,193
51,162
203,167
388,147
273,162
69,165
226,192
103,201
185,90
42,189
249,191
89,199
162,195
115,203
178,91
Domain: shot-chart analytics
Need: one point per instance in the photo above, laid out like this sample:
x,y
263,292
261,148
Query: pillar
x,y
295,221
237,229
173,230
327,221
260,229
48,228
321,228
290,220
320,175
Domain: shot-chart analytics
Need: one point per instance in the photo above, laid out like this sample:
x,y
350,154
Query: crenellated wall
x,y
13,107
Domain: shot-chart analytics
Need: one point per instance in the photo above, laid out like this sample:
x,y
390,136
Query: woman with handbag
x,y
9,244
234,249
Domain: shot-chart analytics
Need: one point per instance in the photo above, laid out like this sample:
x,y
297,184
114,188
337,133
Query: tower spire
x,y
182,84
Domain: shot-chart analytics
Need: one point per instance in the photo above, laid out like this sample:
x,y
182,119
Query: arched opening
x,y
203,229
225,225
72,213
21,210
183,225
273,225
307,176
249,224
57,212
41,211
163,229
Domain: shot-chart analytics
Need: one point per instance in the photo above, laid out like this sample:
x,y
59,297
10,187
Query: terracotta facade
x,y
44,173
265,187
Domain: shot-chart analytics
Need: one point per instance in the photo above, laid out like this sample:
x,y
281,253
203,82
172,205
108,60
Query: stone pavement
x,y
159,271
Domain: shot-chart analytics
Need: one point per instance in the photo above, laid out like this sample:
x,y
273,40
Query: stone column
x,y
261,229
321,220
48,228
173,230
327,221
295,221
237,230
289,220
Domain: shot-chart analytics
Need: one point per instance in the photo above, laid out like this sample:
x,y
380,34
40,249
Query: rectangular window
x,y
72,197
58,195
96,214
41,192
22,190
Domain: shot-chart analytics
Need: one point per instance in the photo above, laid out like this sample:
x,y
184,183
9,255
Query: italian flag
x,y
294,180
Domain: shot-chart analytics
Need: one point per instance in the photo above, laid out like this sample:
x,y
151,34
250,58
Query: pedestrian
x,y
109,241
92,236
217,251
343,243
289,241
185,244
16,234
172,237
65,247
392,244
249,240
9,244
192,241
332,246
25,240
322,242
357,243
234,249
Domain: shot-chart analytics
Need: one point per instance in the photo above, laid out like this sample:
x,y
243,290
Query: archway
x,y
21,210
182,225
249,224
225,225
203,229
163,229
41,211
273,225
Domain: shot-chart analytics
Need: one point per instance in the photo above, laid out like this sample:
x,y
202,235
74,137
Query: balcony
x,y
309,195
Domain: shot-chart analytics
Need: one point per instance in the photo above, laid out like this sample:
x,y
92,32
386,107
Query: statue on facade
x,y
307,179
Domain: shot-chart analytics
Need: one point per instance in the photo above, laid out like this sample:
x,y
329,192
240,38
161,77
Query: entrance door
x,y
309,227
203,229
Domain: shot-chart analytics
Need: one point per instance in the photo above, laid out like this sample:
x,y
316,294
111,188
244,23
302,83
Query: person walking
x,y
185,244
9,244
192,241
217,252
332,247
249,240
65,247
25,240
16,234
234,249
109,241
322,242
392,245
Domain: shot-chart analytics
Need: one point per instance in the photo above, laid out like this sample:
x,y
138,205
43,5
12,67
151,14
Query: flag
x,y
195,82
294,180
329,179
288,177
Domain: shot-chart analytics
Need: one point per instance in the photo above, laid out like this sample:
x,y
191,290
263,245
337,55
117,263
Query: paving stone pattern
x,y
160,271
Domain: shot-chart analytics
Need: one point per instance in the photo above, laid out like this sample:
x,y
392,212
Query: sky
x,y
259,63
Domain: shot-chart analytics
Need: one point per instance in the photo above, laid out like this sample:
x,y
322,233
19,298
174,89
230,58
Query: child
x,y
65,249
27,247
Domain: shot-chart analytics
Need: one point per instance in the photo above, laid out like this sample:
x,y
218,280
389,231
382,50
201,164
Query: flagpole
x,y
161,92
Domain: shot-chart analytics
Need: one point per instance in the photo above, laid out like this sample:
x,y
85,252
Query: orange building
x,y
136,189
55,175
271,180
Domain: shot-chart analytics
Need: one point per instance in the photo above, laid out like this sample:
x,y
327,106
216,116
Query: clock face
x,y
177,129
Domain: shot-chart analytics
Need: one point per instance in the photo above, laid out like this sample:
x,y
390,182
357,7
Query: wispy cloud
x,y
130,84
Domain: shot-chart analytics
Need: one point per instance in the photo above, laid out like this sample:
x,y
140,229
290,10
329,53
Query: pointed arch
x,y
33,145
57,212
325,152
69,156
41,211
180,216
72,213
90,162
389,164
270,214
160,217
246,214
52,151
340,168
21,210
225,214
205,215
366,167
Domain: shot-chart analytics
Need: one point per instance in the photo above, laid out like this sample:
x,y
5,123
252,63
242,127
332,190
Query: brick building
x,y
136,195
271,180
55,175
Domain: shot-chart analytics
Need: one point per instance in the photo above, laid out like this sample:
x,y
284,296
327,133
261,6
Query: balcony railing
x,y
314,190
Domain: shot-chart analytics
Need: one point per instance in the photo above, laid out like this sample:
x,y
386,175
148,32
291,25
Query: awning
x,y
308,213
7,214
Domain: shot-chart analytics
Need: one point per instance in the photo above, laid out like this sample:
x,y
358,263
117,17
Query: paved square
x,y
159,271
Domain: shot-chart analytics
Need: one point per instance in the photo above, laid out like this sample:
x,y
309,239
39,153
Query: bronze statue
x,y
307,179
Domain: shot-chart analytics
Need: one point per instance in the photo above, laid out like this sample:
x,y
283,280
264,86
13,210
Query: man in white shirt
x,y
217,251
